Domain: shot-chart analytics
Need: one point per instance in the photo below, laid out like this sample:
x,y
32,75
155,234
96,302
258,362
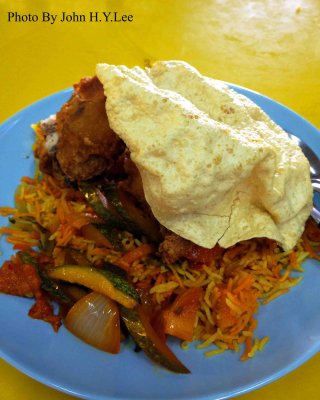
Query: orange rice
x,y
235,284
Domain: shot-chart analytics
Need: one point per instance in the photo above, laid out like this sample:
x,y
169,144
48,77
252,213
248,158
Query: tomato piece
x,y
179,319
202,255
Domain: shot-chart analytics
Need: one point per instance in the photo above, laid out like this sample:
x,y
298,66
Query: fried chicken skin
x,y
87,146
132,183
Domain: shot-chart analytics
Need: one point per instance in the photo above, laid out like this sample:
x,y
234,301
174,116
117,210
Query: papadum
x,y
215,168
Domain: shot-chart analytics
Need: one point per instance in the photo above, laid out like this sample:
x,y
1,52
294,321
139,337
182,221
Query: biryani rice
x,y
235,284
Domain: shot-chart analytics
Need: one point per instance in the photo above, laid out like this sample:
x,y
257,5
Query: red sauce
x,y
22,280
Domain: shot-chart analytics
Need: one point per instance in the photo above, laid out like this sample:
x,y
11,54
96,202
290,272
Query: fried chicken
x,y
87,146
174,248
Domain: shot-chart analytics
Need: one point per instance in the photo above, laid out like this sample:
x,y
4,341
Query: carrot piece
x,y
7,231
92,233
22,246
28,180
135,254
6,211
246,283
293,259
245,355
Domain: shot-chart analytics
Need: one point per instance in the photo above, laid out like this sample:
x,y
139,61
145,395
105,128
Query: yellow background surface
x,y
270,46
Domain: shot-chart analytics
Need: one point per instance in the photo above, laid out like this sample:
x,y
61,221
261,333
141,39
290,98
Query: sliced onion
x,y
95,319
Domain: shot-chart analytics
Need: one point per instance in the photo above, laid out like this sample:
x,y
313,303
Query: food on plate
x,y
214,167
164,200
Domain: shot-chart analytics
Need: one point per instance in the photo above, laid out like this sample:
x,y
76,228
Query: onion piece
x,y
95,320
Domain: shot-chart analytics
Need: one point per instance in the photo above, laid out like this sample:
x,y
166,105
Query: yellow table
x,y
269,46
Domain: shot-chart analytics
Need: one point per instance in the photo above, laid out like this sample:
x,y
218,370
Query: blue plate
x,y
67,364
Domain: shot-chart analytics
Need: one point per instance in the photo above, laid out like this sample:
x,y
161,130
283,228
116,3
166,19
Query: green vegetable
x,y
115,270
102,281
47,283
111,193
102,206
146,338
119,211
114,236
136,220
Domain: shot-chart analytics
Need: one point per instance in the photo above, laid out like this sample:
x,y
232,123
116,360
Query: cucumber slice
x,y
102,281
147,339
